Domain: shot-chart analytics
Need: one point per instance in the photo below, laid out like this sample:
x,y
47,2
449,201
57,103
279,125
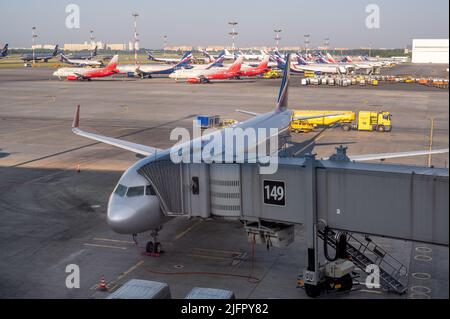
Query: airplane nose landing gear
x,y
153,247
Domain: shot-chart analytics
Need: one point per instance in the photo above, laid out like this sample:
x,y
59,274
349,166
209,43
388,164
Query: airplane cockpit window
x,y
121,190
136,191
149,190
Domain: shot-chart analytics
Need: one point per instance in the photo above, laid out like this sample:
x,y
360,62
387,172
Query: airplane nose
x,y
133,216
120,217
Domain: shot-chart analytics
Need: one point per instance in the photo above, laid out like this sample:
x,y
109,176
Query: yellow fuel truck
x,y
348,120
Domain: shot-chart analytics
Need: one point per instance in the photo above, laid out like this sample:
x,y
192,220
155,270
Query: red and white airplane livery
x,y
205,76
74,74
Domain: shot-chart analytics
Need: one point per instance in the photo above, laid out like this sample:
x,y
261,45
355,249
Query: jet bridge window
x,y
136,191
121,190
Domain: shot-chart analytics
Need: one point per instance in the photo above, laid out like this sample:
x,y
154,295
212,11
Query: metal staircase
x,y
391,270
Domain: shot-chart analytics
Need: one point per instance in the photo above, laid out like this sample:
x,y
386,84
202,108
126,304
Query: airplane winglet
x,y
76,119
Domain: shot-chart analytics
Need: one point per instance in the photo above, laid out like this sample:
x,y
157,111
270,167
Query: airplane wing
x,y
296,118
129,146
372,157
248,112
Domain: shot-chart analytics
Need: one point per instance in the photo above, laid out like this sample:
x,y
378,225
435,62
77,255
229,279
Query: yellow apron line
x,y
105,246
187,230
113,240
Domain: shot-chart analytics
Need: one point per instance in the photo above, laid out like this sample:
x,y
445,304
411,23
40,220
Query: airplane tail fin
x,y
185,60
112,65
63,57
264,63
281,64
55,51
151,56
236,66
301,60
218,62
330,58
94,53
4,52
209,56
282,102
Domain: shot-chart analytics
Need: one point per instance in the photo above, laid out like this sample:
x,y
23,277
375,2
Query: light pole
x,y
277,37
327,44
135,15
92,39
307,42
233,34
165,44
33,37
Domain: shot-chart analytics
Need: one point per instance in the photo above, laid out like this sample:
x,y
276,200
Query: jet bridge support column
x,y
311,274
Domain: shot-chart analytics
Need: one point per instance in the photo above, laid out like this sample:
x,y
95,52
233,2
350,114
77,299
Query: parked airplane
x,y
4,51
148,70
74,74
80,62
206,76
303,66
40,56
137,205
85,55
164,60
198,70
258,70
252,56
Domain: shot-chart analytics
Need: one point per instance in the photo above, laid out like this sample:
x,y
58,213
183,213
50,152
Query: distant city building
x,y
43,46
83,46
130,46
179,48
430,51
117,47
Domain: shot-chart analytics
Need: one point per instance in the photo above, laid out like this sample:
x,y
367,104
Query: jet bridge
x,y
396,201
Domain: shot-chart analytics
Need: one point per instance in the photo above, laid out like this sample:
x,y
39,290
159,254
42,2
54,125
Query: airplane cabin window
x,y
149,190
121,190
135,191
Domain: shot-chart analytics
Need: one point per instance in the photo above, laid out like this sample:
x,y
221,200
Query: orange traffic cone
x,y
102,286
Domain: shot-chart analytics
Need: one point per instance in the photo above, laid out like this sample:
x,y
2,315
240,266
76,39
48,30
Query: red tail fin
x,y
236,66
112,65
264,63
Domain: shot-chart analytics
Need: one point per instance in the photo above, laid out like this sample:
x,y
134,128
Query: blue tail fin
x,y
282,102
150,56
4,52
301,60
185,60
55,51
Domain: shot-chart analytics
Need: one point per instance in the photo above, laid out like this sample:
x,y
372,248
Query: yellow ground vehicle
x,y
348,120
370,121
309,125
227,123
273,74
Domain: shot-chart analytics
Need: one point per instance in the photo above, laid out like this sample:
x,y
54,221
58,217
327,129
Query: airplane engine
x,y
72,78
194,81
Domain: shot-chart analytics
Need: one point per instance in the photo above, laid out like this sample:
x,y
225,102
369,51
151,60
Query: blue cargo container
x,y
207,121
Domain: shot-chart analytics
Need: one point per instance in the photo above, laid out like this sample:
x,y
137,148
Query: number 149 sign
x,y
274,193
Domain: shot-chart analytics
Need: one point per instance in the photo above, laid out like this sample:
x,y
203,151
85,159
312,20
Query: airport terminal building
x,y
430,51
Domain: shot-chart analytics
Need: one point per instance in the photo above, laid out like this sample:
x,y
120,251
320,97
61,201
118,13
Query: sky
x,y
205,22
